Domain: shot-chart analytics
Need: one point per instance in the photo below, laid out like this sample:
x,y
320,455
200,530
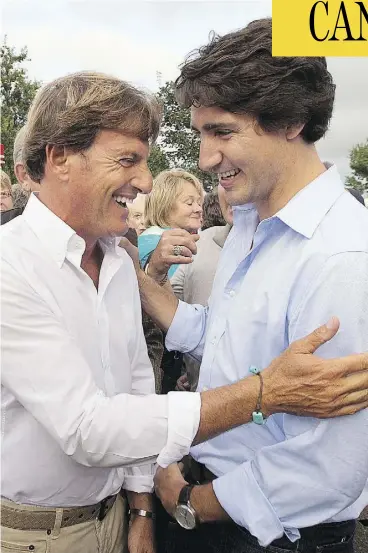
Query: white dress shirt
x,y
308,262
79,415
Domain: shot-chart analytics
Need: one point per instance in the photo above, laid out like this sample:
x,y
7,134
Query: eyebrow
x,y
125,153
215,126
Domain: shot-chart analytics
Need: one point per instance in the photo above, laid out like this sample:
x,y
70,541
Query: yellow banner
x,y
322,28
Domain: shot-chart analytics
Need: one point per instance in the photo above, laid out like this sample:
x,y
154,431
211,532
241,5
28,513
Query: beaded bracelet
x,y
257,415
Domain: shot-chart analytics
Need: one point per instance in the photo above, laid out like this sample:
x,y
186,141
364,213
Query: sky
x,y
145,42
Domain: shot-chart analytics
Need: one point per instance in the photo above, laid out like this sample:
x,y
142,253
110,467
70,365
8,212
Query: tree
x,y
359,167
180,144
16,94
158,160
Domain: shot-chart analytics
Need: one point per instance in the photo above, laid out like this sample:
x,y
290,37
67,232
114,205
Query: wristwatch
x,y
185,514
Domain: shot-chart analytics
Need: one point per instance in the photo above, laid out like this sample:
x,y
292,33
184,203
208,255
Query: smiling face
x,y
248,161
186,212
97,185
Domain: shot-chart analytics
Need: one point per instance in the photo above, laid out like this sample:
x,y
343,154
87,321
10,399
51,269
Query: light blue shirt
x,y
308,262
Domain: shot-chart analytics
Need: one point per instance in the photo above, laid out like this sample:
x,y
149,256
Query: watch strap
x,y
184,495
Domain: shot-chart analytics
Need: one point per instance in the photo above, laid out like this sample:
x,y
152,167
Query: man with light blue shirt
x,y
297,255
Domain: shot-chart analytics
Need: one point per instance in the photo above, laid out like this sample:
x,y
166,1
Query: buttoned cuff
x,y
186,330
184,411
241,497
139,479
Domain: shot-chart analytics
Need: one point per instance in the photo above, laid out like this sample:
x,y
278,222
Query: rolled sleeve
x,y
187,330
240,496
139,479
184,410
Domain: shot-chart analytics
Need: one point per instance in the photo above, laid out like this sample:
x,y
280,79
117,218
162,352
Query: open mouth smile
x,y
122,201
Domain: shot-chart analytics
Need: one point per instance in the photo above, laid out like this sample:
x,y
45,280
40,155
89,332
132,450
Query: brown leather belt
x,y
43,518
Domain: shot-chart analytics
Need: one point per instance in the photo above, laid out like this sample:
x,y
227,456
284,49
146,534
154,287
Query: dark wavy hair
x,y
212,215
237,73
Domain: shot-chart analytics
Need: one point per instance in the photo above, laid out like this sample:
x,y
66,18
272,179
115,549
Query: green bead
x,y
253,369
258,417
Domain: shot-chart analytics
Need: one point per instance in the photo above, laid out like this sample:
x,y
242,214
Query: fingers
x,y
177,232
353,364
185,252
179,238
319,336
349,409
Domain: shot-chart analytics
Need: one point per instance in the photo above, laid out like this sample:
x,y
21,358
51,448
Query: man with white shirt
x,y
297,254
80,419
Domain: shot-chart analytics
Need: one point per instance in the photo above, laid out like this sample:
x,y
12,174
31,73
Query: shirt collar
x,y
58,238
304,212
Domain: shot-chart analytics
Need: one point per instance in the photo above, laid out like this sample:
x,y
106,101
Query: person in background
x,y
193,283
6,198
136,214
212,215
25,185
20,197
175,203
23,178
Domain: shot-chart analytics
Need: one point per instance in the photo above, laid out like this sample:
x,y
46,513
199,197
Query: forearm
x,y
158,302
206,504
142,501
236,404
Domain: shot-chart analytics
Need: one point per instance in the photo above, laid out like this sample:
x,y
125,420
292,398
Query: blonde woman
x,y
175,202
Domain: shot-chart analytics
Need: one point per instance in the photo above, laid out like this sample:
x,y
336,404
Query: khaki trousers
x,y
107,536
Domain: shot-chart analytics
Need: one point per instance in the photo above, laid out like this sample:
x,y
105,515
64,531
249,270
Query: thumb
x,y
317,338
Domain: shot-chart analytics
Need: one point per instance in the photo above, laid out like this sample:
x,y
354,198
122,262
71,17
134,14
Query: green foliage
x,y
359,167
158,160
16,94
180,144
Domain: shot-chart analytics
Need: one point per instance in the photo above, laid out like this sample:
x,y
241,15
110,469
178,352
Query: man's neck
x,y
92,256
302,171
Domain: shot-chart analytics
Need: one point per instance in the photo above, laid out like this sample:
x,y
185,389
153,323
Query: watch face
x,y
185,516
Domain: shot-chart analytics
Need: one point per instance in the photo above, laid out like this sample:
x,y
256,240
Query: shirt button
x,y
232,293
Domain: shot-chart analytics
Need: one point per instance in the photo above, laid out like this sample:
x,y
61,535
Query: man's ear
x,y
294,131
57,161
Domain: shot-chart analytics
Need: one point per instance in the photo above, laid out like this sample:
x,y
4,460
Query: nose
x,y
143,182
209,156
197,208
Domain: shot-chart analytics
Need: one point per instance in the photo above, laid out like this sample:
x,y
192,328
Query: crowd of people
x,y
184,370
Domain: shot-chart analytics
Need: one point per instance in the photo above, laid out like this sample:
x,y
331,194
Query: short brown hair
x,y
6,182
72,110
237,73
166,188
